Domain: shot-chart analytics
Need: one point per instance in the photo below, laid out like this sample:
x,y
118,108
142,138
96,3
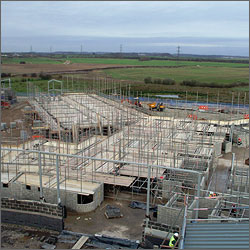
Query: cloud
x,y
125,18
122,19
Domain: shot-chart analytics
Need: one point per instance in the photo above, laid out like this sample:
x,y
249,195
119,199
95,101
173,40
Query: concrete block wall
x,y
217,148
214,212
31,219
32,213
32,206
196,164
170,186
97,200
239,187
170,216
240,183
157,232
238,179
160,226
69,199
227,146
242,200
205,203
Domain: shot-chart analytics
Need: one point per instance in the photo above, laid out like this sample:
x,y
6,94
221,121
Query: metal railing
x,y
183,230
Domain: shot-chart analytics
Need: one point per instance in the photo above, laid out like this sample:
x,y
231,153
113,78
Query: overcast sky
x,y
198,27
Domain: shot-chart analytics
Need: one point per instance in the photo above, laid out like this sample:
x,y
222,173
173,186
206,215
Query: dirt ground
x,y
129,226
15,113
57,68
182,113
241,154
21,237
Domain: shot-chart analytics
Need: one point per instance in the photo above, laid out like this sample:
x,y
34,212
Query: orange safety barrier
x,y
194,117
37,136
203,107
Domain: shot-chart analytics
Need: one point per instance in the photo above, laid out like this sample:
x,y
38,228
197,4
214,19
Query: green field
x,y
155,62
218,75
38,60
221,75
19,84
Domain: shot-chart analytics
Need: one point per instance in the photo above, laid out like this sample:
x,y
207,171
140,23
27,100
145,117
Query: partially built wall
x,y
86,142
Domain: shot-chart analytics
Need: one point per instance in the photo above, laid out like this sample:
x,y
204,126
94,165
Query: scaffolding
x,y
98,135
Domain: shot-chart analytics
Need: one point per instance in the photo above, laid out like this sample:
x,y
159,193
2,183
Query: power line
x,y
178,52
121,50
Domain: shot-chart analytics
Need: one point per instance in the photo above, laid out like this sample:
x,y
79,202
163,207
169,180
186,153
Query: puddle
x,y
116,231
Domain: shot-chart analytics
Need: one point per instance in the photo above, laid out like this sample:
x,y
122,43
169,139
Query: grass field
x,y
19,84
154,62
204,72
38,60
221,75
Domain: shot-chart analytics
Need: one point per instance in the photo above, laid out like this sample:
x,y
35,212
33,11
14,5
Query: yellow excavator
x,y
158,106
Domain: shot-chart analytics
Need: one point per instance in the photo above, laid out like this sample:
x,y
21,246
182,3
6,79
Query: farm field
x,y
154,62
221,75
133,72
203,94
47,60
33,60
19,69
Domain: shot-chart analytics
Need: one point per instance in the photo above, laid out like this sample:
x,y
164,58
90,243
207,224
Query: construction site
x,y
101,155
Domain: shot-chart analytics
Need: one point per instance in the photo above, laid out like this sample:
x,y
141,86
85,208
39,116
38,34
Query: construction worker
x,y
211,194
239,141
233,210
173,240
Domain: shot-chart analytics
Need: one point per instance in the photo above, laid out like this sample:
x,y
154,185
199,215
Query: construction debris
x,y
80,242
141,205
84,147
113,212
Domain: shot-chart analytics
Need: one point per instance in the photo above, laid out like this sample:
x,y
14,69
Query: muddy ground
x,y
15,114
19,69
21,237
128,226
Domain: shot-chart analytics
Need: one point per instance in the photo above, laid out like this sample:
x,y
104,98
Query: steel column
x,y
40,175
198,195
148,193
57,180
